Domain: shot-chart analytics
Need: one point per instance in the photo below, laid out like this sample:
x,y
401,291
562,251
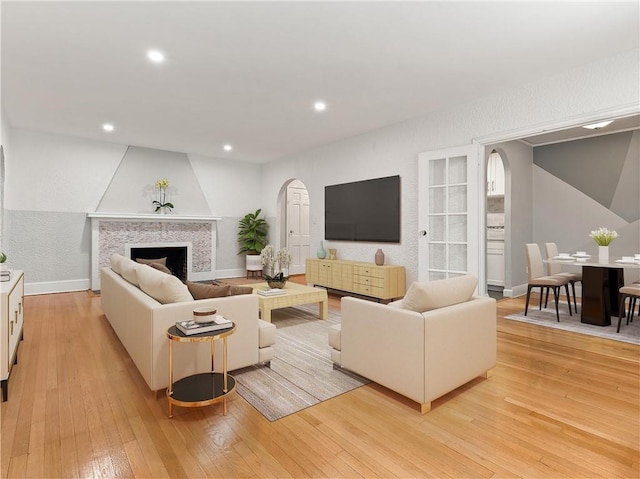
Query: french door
x,y
449,213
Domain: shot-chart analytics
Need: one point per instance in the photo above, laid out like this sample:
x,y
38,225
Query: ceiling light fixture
x,y
227,147
596,126
319,106
107,127
156,56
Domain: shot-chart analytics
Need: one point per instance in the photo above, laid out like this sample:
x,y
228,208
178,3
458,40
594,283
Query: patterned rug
x,y
547,317
301,373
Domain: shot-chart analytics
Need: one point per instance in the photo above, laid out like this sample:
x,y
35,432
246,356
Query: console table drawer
x,y
369,281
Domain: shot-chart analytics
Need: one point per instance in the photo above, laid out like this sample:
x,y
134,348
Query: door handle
x,y
423,233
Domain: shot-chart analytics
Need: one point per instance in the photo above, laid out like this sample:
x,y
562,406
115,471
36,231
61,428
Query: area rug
x,y
301,373
547,317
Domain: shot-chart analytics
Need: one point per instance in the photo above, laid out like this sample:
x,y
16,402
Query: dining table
x,y
601,282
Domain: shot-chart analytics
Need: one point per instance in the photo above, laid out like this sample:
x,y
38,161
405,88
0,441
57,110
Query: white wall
x,y
598,87
53,181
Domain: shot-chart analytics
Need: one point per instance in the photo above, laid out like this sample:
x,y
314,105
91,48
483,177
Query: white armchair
x,y
421,355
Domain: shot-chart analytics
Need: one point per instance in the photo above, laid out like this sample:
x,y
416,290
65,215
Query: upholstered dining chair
x,y
537,279
632,292
554,269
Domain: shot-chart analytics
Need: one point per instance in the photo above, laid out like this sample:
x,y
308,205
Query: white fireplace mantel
x,y
150,217
128,225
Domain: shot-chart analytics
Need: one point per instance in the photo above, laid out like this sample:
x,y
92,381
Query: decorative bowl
x,y
204,315
276,284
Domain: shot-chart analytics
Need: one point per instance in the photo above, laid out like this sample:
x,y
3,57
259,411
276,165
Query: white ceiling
x,y
247,73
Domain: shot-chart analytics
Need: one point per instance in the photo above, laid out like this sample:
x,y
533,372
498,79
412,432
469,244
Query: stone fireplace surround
x,y
118,233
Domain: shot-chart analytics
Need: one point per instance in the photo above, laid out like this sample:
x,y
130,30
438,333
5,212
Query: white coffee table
x,y
295,294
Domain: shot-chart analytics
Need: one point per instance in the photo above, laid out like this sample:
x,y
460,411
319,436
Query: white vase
x,y
603,254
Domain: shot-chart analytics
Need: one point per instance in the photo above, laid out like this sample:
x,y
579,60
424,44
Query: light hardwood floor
x,y
558,405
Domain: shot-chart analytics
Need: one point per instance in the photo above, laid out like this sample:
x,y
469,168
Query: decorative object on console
x,y
275,264
161,204
322,254
3,261
332,253
379,257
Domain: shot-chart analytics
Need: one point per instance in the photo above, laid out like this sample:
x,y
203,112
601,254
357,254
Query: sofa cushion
x,y
431,295
116,262
235,290
160,267
266,334
128,270
162,287
205,291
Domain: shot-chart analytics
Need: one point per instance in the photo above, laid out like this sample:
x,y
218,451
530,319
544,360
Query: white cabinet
x,y
11,320
495,175
495,263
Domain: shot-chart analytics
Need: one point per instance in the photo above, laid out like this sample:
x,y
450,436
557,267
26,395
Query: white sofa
x,y
437,338
141,324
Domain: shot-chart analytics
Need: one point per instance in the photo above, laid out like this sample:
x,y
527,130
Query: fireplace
x,y
178,257
156,236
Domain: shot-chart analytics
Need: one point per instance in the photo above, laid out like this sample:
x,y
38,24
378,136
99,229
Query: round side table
x,y
204,388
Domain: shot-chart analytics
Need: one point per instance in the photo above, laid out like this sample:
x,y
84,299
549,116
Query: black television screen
x,y
363,211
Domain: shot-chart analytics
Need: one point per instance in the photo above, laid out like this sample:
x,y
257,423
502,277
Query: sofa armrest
x,y
460,344
384,344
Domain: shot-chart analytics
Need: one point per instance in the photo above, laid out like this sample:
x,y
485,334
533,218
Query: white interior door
x,y
298,238
449,213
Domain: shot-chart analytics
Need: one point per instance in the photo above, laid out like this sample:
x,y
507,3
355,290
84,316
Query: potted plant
x,y
276,264
3,259
252,238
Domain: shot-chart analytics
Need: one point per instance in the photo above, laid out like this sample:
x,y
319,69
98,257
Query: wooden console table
x,y
384,282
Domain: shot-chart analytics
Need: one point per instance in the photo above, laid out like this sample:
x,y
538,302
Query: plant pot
x,y
276,284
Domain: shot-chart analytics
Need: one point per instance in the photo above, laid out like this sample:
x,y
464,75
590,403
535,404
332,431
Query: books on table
x,y
271,292
5,275
189,326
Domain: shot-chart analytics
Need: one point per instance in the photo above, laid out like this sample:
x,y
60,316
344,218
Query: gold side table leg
x,y
170,388
224,375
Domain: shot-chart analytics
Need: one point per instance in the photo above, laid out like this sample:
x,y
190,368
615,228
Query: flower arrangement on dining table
x,y
161,203
275,263
602,236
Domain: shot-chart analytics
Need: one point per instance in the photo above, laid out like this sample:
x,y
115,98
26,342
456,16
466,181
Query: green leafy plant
x,y
162,185
3,257
252,233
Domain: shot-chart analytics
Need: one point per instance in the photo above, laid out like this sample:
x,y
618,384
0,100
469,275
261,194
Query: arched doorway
x,y
294,227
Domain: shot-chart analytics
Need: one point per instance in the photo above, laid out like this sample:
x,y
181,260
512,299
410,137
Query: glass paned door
x,y
448,213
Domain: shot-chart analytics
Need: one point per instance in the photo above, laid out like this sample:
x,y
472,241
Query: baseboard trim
x,y
57,287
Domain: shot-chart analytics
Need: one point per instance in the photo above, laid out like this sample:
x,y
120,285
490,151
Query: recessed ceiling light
x,y
107,127
227,147
156,56
319,106
595,126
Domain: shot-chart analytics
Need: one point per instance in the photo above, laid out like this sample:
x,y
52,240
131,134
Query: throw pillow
x,y
204,291
162,287
422,297
157,260
234,290
160,267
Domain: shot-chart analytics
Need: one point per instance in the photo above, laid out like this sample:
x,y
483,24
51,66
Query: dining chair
x,y
537,279
632,292
555,269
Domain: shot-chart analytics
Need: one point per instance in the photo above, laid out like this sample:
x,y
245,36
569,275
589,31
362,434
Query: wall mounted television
x,y
366,210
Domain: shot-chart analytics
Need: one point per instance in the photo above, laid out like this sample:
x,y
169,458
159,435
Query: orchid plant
x,y
276,263
602,236
162,185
